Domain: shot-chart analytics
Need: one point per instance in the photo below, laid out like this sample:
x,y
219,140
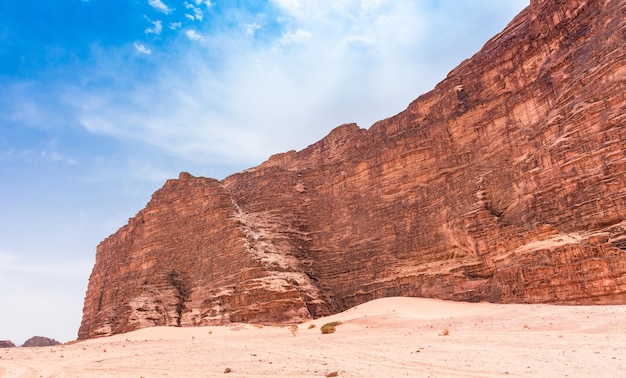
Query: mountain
x,y
40,341
6,344
505,183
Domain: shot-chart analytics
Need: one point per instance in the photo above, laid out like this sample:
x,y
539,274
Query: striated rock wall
x,y
506,183
190,257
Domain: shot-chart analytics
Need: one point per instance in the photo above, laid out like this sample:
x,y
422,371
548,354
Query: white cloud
x,y
157,27
175,25
295,37
197,12
56,156
47,152
160,6
142,49
193,35
290,6
10,155
253,27
358,62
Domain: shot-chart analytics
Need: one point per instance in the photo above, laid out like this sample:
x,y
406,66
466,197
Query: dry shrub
x,y
445,332
311,326
294,329
329,327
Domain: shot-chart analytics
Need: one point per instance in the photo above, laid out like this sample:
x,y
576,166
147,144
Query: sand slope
x,y
390,337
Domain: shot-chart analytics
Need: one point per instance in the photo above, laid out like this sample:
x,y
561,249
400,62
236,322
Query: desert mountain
x,y
505,183
40,341
6,344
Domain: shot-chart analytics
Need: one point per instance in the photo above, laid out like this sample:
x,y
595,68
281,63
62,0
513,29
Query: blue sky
x,y
101,101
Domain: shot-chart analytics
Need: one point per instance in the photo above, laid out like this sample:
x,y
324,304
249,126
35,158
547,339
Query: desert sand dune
x,y
391,337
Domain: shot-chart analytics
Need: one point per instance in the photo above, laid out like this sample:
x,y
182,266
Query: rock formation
x,y
6,344
505,183
40,341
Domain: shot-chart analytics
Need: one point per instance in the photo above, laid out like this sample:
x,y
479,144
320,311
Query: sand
x,y
391,337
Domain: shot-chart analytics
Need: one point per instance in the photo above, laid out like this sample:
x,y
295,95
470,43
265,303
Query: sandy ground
x,y
391,337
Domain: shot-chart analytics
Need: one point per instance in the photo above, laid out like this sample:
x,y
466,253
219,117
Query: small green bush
x,y
329,327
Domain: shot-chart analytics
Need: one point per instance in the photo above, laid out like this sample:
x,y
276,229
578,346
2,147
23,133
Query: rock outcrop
x,y
505,183
40,341
6,344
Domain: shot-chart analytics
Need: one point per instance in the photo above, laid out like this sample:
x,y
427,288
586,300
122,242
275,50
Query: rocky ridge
x,y
40,341
505,183
6,344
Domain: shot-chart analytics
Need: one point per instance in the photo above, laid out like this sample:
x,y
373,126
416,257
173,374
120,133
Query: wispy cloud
x,y
290,6
57,156
295,37
11,154
157,27
206,3
142,48
175,25
253,27
193,35
232,98
160,6
45,153
197,12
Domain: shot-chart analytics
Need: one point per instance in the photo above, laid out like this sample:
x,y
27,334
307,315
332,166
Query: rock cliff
x,y
505,183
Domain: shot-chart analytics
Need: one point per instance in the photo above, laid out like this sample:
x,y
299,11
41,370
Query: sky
x,y
101,101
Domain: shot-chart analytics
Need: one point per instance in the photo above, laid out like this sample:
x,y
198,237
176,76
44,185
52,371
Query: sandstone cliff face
x,y
506,183
190,257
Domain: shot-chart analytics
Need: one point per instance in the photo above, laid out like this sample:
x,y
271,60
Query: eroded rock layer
x,y
506,183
